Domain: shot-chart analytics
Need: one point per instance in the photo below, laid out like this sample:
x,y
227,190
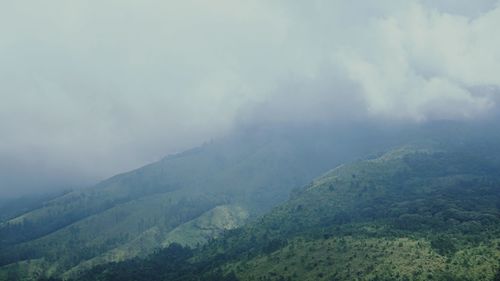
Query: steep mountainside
x,y
412,214
424,212
188,198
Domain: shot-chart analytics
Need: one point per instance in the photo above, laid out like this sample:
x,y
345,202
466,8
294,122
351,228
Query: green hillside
x,y
412,214
420,212
189,198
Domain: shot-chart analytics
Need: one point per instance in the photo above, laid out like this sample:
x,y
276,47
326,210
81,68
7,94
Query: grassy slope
x,y
133,213
416,214
199,230
426,212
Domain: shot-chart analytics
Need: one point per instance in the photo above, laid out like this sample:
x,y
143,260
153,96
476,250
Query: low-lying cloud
x,y
92,88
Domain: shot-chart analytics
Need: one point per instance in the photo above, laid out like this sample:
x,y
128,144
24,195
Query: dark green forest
x,y
419,212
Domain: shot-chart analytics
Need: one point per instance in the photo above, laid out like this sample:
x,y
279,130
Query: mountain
x,y
16,206
189,198
423,211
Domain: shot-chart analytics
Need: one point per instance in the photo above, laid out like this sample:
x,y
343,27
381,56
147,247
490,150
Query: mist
x,y
92,88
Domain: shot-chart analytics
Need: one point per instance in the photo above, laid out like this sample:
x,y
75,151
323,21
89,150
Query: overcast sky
x,y
95,87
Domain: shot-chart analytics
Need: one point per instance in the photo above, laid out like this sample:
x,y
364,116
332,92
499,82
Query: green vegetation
x,y
170,263
426,212
189,198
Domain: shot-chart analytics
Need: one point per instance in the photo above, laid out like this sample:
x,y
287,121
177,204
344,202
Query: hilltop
x,y
424,212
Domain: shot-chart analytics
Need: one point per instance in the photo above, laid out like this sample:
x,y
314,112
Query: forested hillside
x,y
260,140
188,198
420,212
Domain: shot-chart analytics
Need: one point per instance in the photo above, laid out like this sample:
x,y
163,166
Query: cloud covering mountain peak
x,y
121,83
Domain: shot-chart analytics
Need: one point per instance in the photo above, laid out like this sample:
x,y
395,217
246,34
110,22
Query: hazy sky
x,y
94,87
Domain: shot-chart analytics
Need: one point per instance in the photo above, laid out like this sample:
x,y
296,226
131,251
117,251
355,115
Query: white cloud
x,y
120,83
421,64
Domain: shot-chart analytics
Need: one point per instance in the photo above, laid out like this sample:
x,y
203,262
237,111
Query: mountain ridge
x,y
250,171
173,197
395,217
